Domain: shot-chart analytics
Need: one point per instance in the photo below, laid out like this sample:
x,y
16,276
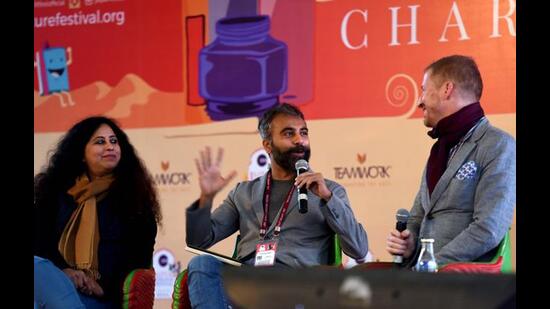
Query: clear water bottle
x,y
426,259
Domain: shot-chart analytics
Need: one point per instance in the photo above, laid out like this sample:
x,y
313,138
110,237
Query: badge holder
x,y
265,252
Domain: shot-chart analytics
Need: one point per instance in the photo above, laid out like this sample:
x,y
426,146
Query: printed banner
x,y
180,75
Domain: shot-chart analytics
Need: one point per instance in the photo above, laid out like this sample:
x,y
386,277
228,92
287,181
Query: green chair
x,y
180,295
501,262
335,251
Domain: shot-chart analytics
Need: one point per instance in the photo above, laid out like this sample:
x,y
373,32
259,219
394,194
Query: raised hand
x,y
210,179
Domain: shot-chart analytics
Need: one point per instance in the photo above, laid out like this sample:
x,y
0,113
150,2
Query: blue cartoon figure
x,y
53,75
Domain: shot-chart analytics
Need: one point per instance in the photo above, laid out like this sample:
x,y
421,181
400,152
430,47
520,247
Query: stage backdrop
x,y
181,75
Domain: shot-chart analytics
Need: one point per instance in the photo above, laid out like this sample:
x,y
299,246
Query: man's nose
x,y
419,102
298,139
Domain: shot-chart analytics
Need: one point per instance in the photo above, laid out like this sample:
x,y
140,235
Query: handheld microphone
x,y
402,216
301,167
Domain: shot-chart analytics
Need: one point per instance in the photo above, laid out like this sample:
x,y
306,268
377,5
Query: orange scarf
x,y
80,238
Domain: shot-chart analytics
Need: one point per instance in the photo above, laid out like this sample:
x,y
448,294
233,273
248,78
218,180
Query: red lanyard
x,y
267,194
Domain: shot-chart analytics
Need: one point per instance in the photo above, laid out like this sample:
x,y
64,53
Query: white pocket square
x,y
467,171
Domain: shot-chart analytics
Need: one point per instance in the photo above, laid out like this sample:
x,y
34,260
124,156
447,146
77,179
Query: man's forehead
x,y
427,76
429,80
283,121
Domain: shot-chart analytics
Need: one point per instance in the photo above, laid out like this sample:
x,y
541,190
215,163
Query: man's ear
x,y
267,145
448,89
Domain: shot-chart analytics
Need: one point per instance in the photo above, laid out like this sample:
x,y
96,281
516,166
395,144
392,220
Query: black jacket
x,y
126,241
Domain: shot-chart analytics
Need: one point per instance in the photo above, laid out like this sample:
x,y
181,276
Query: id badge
x,y
265,253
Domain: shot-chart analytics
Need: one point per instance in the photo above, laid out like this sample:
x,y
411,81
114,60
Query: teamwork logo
x,y
52,70
362,171
171,179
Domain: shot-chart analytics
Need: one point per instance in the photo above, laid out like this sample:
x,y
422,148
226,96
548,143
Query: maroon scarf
x,y
449,131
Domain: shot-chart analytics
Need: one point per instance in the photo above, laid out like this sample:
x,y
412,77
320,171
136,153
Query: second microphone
x,y
301,167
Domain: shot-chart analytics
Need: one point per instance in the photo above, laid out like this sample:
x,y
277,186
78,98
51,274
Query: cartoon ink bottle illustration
x,y
244,70
52,69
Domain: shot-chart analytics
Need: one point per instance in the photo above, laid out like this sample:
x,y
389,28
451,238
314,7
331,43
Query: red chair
x,y
501,262
138,291
375,265
180,295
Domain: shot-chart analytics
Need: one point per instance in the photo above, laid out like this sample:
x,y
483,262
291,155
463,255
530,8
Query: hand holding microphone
x,y
398,242
306,179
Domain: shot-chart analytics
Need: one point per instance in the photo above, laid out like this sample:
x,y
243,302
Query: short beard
x,y
285,159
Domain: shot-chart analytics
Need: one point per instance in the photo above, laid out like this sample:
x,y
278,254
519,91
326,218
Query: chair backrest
x,y
138,290
335,252
237,240
180,295
501,262
505,251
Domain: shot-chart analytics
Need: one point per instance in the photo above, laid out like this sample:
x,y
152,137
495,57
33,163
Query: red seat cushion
x,y
473,267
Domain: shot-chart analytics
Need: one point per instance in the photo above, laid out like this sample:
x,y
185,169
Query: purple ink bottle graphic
x,y
243,72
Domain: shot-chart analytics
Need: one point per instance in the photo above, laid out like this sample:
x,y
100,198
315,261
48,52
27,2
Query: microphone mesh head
x,y
302,164
402,215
